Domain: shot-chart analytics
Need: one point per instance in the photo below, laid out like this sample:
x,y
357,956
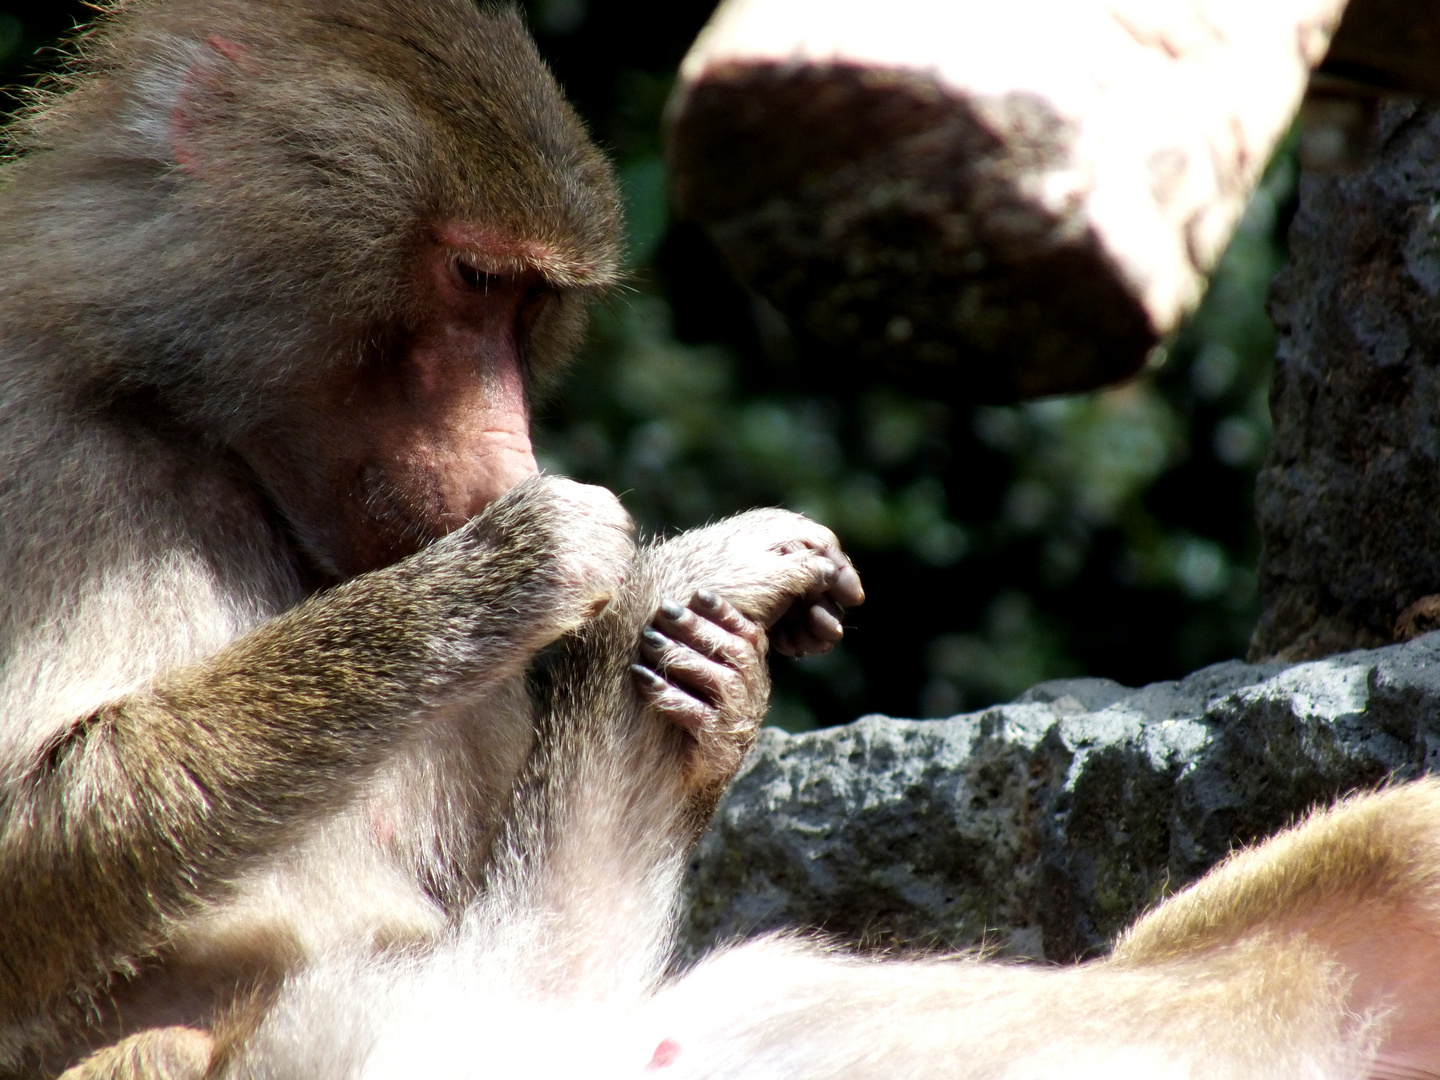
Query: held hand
x,y
813,622
700,662
703,670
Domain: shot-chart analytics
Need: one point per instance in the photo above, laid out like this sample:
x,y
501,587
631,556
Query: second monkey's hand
x,y
703,661
703,670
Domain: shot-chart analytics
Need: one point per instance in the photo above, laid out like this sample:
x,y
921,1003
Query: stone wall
x,y
1042,827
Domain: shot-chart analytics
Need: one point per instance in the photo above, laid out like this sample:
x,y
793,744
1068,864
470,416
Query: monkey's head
x,y
348,239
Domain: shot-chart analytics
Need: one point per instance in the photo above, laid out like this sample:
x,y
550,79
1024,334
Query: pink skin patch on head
x,y
200,76
381,827
231,50
664,1056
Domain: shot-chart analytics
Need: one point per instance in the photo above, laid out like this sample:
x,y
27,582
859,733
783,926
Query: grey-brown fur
x,y
581,894
204,775
342,131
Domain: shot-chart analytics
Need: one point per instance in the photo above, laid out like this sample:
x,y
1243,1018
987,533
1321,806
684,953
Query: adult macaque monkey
x,y
277,280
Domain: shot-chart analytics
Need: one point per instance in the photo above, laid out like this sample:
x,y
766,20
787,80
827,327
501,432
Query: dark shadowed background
x,y
1106,534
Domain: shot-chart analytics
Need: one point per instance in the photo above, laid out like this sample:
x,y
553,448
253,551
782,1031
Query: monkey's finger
x,y
808,628
711,605
803,643
815,631
673,704
846,588
711,681
816,574
783,641
843,584
793,640
703,635
822,619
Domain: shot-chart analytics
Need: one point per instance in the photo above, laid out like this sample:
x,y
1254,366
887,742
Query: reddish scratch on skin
x,y
665,1055
195,78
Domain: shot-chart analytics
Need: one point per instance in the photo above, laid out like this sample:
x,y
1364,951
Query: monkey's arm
x,y
136,812
622,781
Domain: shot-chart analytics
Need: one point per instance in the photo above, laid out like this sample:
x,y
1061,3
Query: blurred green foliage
x,y
1108,533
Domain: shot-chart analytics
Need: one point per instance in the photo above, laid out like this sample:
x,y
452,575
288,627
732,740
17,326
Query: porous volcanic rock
x,y
1348,500
1042,827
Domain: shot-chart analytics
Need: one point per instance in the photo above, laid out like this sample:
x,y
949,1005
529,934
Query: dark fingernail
x,y
671,610
709,597
655,639
645,675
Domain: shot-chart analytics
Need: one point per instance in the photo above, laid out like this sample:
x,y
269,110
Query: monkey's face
x,y
430,219
383,456
353,237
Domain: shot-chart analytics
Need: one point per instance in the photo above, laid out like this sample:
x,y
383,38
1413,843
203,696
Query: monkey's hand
x,y
569,546
704,671
812,623
704,665
780,569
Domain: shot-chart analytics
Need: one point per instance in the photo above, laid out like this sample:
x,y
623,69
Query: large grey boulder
x,y
1042,827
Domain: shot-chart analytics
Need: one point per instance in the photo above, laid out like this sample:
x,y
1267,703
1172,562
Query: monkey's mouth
x,y
400,518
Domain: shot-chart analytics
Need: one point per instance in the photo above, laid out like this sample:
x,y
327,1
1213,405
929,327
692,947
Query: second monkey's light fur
x,y
1272,967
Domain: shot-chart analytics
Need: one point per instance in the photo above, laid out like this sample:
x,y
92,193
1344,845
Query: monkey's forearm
x,y
587,865
138,810
616,793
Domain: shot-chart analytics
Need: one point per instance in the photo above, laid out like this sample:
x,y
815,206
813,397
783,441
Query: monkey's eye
x,y
476,278
537,297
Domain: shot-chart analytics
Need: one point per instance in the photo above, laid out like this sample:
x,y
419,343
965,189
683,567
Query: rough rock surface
x,y
1042,827
1348,501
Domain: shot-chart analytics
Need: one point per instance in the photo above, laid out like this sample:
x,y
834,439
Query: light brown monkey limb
x,y
1360,884
1316,954
173,1053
